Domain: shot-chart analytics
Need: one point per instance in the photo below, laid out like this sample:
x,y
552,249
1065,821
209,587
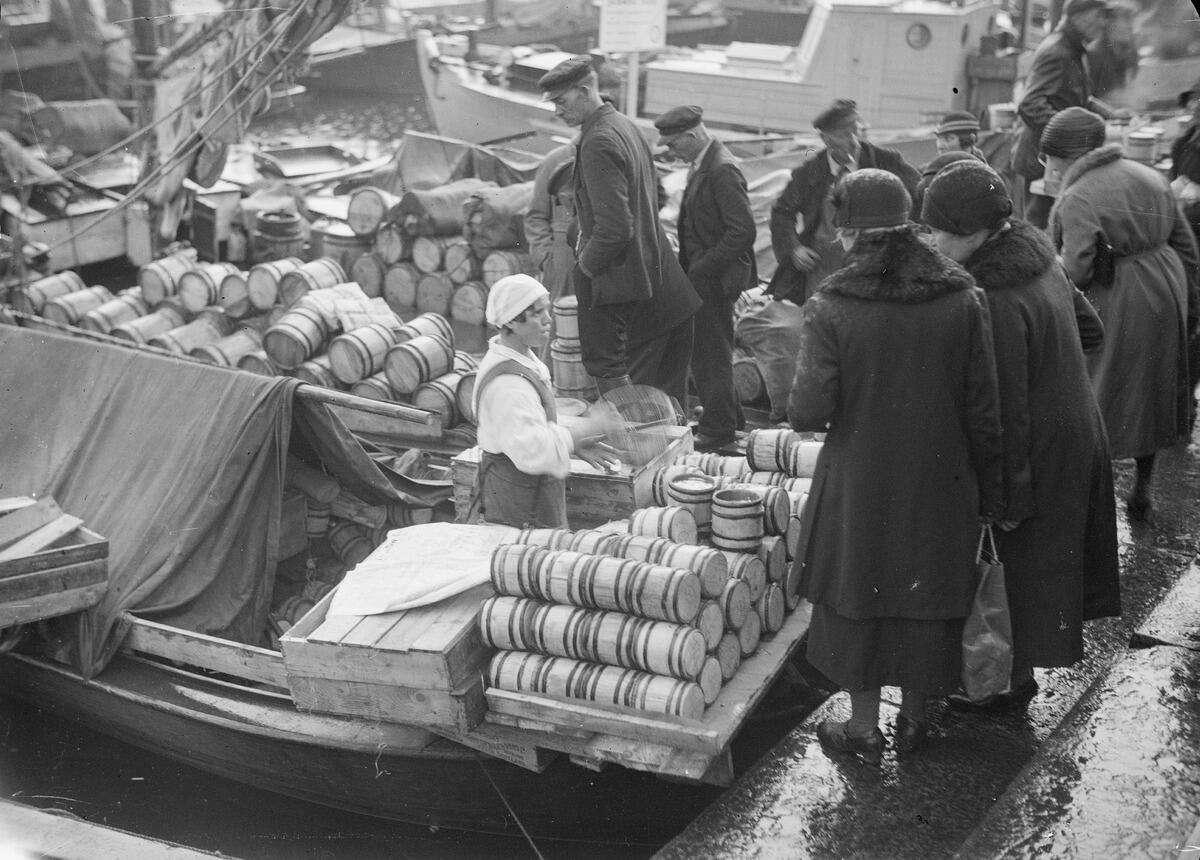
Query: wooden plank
x,y
51,605
503,743
334,628
206,652
371,628
461,709
14,589
27,520
15,503
528,724
90,547
42,538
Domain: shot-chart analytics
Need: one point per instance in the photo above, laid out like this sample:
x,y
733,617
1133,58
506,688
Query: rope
x,y
508,806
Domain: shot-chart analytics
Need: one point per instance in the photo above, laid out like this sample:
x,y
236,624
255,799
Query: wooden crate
x,y
68,576
418,666
592,498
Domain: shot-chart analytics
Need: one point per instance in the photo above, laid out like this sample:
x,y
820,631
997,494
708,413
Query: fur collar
x,y
1090,161
1017,255
896,266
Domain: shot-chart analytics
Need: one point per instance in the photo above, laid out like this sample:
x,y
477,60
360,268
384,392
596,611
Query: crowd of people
x,y
976,355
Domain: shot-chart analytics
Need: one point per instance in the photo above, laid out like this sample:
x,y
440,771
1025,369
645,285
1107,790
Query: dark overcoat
x,y
1057,80
1060,563
805,195
716,226
896,362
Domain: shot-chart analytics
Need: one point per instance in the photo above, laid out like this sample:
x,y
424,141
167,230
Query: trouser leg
x,y
664,361
712,366
603,333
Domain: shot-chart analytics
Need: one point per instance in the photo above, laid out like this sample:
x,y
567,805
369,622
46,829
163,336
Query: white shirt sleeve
x,y
512,421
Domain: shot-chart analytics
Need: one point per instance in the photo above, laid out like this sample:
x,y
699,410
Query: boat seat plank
x,y
206,652
27,519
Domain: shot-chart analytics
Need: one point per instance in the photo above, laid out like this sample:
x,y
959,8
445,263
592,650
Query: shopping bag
x,y
987,634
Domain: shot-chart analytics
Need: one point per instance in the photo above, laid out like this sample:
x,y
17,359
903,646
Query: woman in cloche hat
x,y
895,364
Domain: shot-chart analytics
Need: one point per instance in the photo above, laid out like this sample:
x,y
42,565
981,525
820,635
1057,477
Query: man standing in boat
x,y
716,250
805,241
635,303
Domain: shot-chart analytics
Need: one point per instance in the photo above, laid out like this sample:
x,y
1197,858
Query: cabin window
x,y
918,37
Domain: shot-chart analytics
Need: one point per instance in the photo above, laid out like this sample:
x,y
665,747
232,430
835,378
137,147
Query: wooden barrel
x,y
349,542
439,395
802,459
549,538
729,654
464,396
772,552
392,243
434,294
429,252
200,331
612,638
660,480
428,323
747,380
277,234
160,278
798,500
336,241
460,263
737,516
298,334
464,362
126,307
316,371
710,621
400,515
777,507
373,387
710,679
647,548
468,304
157,322
318,274
767,449
749,634
358,354
33,297
734,601
791,586
368,272
770,608
262,282
590,541
400,286
233,294
570,377
706,562
516,569
734,467
501,264
70,308
200,287
316,519
229,350
564,677
675,524
749,568
566,320
258,362
693,493
367,208
415,361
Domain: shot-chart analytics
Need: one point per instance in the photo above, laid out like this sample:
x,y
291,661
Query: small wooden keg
x,y
429,252
660,480
400,286
426,323
802,458
357,354
262,281
434,294
710,621
335,241
747,380
693,493
501,264
570,377
317,371
33,297
204,329
750,569
374,387
392,243
460,263
566,320
317,274
750,634
126,307
516,570
735,603
159,321
737,519
160,278
706,562
200,287
619,584
299,333
368,271
710,679
772,552
770,608
464,396
464,362
676,524
70,308
349,542
258,362
791,586
229,350
400,514
367,208
316,521
591,542
729,654
439,395
413,362
767,449
469,303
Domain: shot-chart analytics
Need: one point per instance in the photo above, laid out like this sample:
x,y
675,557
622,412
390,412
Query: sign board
x,y
632,25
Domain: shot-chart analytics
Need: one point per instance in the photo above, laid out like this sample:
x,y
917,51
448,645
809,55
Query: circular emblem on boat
x,y
918,37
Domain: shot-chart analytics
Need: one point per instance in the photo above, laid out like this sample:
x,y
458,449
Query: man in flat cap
x,y
1058,79
635,302
716,249
805,242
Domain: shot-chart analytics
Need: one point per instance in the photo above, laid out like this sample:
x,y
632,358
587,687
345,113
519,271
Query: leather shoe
x,y
910,734
705,443
833,735
1008,700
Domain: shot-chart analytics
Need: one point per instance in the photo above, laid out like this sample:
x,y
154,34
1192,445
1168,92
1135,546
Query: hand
x,y
1007,525
598,454
805,258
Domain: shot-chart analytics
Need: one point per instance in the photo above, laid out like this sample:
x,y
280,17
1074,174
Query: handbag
x,y
987,634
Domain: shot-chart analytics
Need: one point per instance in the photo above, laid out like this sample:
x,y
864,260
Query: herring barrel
x,y
159,321
464,395
258,362
772,552
426,323
33,297
392,243
357,354
501,264
749,634
570,377
770,608
734,601
768,449
439,395
400,286
415,361
710,621
374,387
160,278
316,274
229,350
316,371
566,320
277,235
348,542
70,308
262,283
200,287
296,335
802,461
204,329
676,524
429,252
464,362
661,479
233,294
368,272
126,307
564,677
335,240
460,263
706,562
468,304
693,493
750,569
737,516
367,208
434,294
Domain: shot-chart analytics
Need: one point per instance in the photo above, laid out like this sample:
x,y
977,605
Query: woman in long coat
x,y
1109,202
896,364
1058,538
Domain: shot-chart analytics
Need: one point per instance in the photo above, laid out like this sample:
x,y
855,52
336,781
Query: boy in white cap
x,y
526,453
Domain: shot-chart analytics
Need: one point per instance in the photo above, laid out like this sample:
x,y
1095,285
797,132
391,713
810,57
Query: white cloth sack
x,y
419,565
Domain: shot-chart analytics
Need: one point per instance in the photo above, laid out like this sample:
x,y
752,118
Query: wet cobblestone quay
x,y
1105,761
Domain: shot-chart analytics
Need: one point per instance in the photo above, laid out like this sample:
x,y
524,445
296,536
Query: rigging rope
x,y
508,806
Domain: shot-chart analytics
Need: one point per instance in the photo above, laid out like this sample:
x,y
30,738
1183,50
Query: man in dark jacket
x,y
635,302
1057,80
716,249
805,243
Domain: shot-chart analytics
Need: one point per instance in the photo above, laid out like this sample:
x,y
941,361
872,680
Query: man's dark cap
x,y
679,119
1077,7
835,116
571,72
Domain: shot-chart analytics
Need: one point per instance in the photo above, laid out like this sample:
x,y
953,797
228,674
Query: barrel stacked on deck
x,y
657,612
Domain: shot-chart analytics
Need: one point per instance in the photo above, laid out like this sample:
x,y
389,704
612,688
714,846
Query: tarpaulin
x,y
179,464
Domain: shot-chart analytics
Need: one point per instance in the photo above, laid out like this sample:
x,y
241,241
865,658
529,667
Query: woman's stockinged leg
x,y
1139,499
864,712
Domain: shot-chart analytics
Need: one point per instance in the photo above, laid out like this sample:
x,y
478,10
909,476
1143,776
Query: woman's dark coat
x,y
896,360
1060,563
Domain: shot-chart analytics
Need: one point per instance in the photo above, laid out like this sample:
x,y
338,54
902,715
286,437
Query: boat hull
x,y
363,61
377,769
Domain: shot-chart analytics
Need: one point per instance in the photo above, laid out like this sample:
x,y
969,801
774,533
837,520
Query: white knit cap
x,y
510,295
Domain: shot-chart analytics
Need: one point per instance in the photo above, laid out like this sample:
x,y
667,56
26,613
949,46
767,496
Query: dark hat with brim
x,y
957,122
966,197
870,199
841,113
678,120
571,72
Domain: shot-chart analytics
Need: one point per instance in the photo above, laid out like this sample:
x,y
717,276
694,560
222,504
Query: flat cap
x,y
679,119
837,115
571,72
1077,7
957,122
